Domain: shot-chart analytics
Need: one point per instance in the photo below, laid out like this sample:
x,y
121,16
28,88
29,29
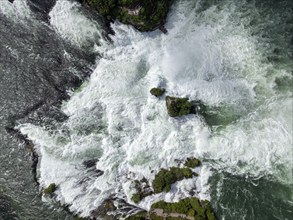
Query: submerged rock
x,y
50,189
198,107
89,163
157,91
178,106
99,173
145,15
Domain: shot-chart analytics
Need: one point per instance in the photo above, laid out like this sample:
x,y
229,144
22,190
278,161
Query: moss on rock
x,y
145,15
157,91
192,162
178,106
143,190
136,197
49,190
165,178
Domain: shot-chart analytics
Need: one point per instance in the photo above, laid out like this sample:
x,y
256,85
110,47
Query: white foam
x,y
115,119
70,21
18,11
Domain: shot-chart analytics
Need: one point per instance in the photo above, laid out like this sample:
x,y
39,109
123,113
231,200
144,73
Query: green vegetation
x,y
143,190
136,197
178,106
138,216
192,162
50,189
155,217
145,15
189,206
80,218
165,178
157,91
106,8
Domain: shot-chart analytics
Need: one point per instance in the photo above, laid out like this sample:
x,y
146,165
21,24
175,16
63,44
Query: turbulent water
x,y
235,56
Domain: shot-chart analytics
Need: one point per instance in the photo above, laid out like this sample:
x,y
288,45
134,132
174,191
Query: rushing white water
x,y
19,10
113,118
72,24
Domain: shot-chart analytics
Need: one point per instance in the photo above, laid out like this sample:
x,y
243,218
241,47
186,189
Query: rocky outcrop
x,y
144,15
49,190
178,106
182,106
188,208
143,190
157,91
192,162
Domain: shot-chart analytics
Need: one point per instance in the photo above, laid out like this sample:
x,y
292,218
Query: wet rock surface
x,y
145,15
157,91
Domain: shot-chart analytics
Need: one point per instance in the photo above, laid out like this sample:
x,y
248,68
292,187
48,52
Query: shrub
x,y
192,162
165,178
136,197
143,190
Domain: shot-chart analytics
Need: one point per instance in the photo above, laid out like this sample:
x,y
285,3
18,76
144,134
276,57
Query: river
x,y
235,56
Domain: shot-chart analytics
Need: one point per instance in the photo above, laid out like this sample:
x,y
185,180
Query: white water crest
x,y
71,22
19,10
207,56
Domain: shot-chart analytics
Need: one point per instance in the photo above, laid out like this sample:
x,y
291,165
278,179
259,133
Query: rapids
x,y
235,56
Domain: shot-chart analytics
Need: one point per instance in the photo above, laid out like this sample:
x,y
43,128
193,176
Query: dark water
x,y
263,197
34,76
244,197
